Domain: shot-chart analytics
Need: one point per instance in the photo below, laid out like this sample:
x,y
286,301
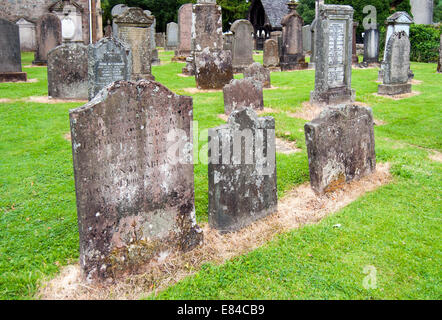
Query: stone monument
x,y
271,54
242,45
27,35
10,56
257,72
422,11
172,36
48,37
184,32
243,93
371,46
213,68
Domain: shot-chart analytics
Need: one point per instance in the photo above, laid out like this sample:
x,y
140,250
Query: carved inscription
x,y
336,54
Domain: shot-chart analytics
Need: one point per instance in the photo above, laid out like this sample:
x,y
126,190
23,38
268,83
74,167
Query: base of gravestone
x,y
394,89
40,63
333,96
13,76
293,62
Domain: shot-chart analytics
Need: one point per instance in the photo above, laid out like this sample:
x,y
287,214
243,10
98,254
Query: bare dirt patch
x,y
28,81
399,96
5,100
300,207
435,156
184,76
48,100
286,147
196,90
307,112
67,136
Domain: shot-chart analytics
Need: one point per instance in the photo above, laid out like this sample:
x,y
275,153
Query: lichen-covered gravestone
x,y
135,197
153,45
207,28
243,93
10,57
396,66
257,72
133,29
271,54
109,60
48,37
340,146
333,50
242,45
68,71
213,69
184,30
242,171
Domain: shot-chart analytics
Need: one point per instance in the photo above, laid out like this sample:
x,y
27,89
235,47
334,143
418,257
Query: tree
x,y
233,10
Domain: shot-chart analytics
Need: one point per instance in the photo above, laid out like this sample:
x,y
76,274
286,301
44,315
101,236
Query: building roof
x,y
275,11
401,17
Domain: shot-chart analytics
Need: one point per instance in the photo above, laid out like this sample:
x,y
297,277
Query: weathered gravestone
x,y
242,175
371,46
244,93
133,29
439,65
333,35
213,69
271,53
340,146
135,197
242,45
153,46
160,39
109,60
207,28
172,36
68,71
396,66
257,72
27,35
354,56
48,37
10,56
307,38
422,11
292,54
184,30
115,12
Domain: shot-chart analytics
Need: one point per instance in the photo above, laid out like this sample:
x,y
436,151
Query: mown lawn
x,y
396,230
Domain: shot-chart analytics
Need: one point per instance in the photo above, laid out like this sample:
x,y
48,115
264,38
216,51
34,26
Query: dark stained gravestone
x,y
49,36
135,197
257,72
10,56
271,53
371,46
68,71
340,146
213,69
354,56
396,66
109,60
242,45
243,93
242,171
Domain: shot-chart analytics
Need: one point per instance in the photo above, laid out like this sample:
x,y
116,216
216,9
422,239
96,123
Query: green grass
x,y
396,229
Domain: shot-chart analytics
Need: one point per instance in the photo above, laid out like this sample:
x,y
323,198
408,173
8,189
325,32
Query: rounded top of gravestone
x,y
241,22
206,1
119,9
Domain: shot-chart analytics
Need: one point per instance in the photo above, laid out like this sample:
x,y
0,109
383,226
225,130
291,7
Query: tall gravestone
x,y
243,93
109,60
172,36
207,27
318,4
333,35
307,38
242,171
133,29
184,30
396,65
242,45
68,71
271,53
292,54
340,146
135,197
354,56
10,56
48,37
422,11
371,46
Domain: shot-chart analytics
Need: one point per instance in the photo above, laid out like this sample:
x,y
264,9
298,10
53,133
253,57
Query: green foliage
x,y
233,10
306,10
425,42
437,13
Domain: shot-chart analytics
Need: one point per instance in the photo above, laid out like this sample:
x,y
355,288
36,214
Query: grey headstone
x,y
172,35
68,71
422,11
116,11
48,37
257,72
340,146
307,38
243,93
27,35
371,46
271,53
10,56
135,203
242,46
213,69
242,171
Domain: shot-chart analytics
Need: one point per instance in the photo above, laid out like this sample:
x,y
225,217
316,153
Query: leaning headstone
x,y
422,11
184,30
109,60
68,71
242,45
27,35
307,38
340,146
396,66
244,93
257,72
213,68
135,194
242,191
172,36
10,56
133,29
333,35
271,53
371,46
292,54
48,37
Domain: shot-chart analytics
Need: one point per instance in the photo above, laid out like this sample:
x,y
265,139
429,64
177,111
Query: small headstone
x,y
207,28
271,53
257,72
242,45
340,146
10,56
213,69
68,71
371,46
292,54
307,38
242,171
48,37
244,93
396,66
109,60
133,29
333,35
135,194
27,35
185,30
172,36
